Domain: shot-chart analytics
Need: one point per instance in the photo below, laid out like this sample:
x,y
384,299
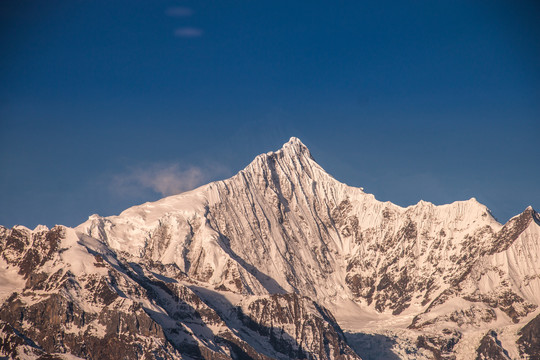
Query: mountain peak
x,y
295,141
293,150
295,147
529,212
533,214
292,164
514,227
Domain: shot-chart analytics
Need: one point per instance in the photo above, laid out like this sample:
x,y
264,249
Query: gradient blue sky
x,y
107,104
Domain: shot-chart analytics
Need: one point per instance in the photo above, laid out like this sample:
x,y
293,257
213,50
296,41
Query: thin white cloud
x,y
179,11
188,32
164,179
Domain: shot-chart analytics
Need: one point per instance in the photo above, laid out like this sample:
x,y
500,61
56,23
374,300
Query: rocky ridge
x,y
80,298
255,265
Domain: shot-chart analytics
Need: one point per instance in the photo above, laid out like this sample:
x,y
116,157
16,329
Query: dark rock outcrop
x,y
490,348
529,340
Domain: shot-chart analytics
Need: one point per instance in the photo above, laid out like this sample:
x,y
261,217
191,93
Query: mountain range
x,y
280,261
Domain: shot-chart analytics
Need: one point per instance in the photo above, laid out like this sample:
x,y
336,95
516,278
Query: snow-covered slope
x,y
75,298
422,276
283,224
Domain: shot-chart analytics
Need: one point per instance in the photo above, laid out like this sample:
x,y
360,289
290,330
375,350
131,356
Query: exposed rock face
x,y
247,268
491,348
441,345
295,324
84,314
28,250
113,309
15,345
529,340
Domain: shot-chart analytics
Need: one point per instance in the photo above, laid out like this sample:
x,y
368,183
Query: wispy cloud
x,y
188,32
164,179
179,11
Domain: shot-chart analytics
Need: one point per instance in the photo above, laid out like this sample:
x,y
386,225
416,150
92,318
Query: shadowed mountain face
x,y
262,264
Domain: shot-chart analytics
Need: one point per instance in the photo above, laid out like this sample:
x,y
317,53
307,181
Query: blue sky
x,y
107,104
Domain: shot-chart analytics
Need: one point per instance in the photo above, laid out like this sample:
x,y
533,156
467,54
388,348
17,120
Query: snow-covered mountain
x,y
274,263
